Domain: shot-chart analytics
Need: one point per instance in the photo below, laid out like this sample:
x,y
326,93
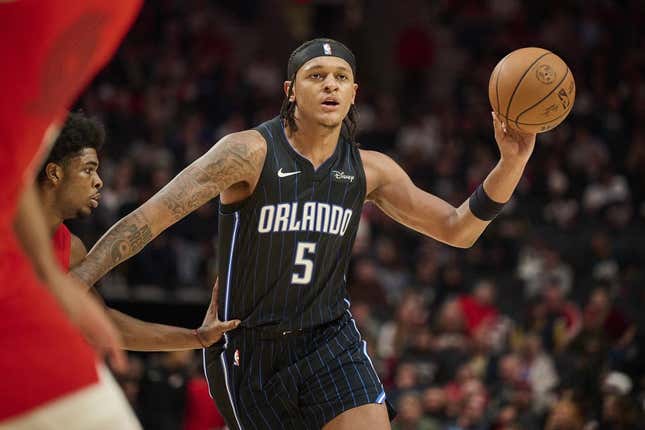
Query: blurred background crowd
x,y
538,325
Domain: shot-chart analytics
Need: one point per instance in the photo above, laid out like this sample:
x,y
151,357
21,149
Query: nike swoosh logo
x,y
282,174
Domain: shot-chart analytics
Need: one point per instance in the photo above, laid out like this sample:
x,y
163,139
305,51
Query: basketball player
x,y
51,378
69,187
291,194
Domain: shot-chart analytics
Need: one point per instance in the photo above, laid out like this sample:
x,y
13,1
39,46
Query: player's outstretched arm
x,y
392,190
146,336
138,335
236,158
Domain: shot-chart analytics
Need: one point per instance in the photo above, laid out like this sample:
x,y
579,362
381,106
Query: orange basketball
x,y
532,89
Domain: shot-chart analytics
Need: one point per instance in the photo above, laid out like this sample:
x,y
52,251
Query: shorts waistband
x,y
279,331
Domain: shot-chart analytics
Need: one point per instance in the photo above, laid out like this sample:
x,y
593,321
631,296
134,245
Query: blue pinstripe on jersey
x,y
277,164
361,338
249,380
226,295
302,314
340,366
208,382
322,388
360,378
288,291
269,403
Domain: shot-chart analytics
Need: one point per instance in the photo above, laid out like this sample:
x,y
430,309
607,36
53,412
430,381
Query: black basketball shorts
x,y
291,380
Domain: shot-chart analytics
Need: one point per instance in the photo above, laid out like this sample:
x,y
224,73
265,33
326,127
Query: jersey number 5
x,y
304,250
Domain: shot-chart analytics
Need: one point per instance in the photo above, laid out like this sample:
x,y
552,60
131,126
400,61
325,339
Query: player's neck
x,y
314,142
53,217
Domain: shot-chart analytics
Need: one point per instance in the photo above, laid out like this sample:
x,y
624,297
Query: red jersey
x,y
62,242
200,412
52,49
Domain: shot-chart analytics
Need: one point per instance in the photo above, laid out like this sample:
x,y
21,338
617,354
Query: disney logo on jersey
x,y
340,176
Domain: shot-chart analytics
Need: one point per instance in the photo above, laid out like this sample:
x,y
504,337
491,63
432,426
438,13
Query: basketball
x,y
532,90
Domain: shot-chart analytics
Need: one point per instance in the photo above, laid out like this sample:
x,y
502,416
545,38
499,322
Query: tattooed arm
x,y
237,159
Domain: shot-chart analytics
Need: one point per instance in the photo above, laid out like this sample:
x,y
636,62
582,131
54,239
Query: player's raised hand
x,y
212,328
513,145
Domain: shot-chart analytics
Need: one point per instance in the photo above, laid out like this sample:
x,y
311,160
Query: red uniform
x,y
50,50
200,413
62,242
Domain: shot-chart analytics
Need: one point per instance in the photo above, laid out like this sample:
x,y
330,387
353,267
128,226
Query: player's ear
x,y
287,85
354,95
54,173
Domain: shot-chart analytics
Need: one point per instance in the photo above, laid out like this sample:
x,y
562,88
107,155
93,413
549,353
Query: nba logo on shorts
x,y
236,357
327,48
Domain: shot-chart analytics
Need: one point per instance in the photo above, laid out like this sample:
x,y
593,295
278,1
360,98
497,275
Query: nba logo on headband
x,y
318,48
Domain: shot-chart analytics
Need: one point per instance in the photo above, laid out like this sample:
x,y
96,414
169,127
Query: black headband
x,y
319,48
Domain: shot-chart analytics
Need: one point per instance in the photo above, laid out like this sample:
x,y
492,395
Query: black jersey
x,y
284,251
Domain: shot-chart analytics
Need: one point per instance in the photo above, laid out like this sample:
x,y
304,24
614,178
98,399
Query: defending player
x,y
69,187
51,378
291,193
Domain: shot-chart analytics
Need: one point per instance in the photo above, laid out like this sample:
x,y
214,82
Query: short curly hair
x,y
78,133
